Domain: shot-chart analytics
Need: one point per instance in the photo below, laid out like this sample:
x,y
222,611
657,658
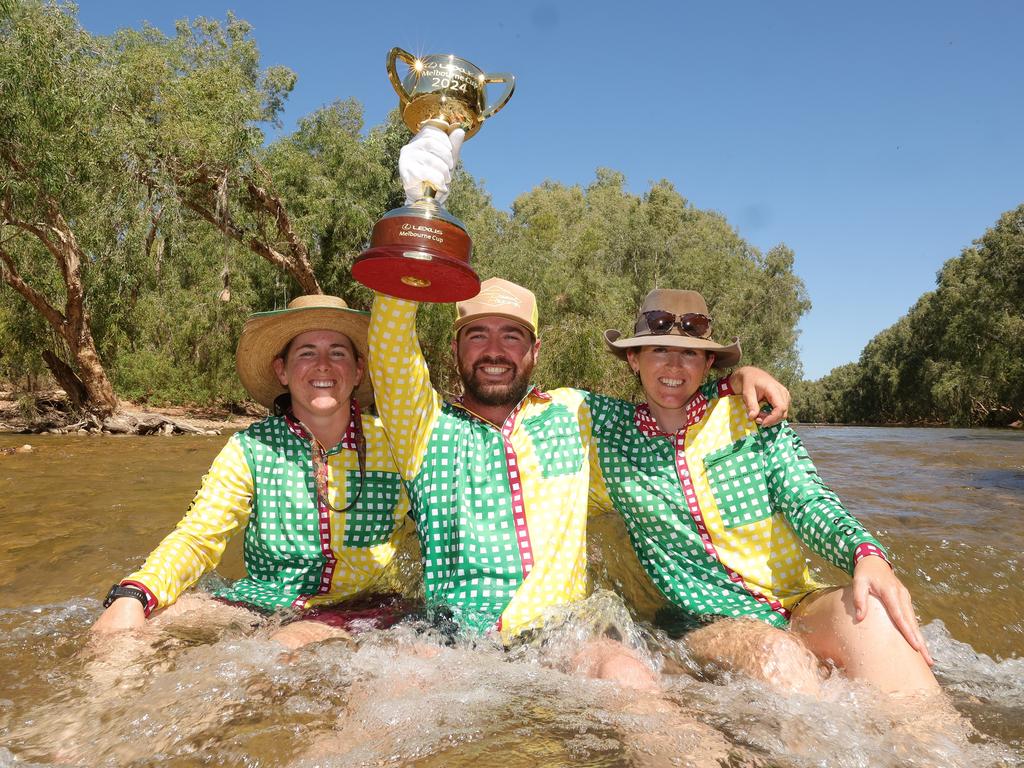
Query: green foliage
x,y
336,184
592,255
152,143
957,357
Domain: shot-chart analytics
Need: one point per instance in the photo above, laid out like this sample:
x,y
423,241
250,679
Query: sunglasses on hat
x,y
660,322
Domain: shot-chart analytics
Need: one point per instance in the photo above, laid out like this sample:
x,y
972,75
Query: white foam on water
x,y
961,669
402,697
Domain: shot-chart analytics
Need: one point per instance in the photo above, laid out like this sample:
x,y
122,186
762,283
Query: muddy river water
x,y
79,512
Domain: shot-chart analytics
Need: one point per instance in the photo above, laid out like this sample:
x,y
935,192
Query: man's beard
x,y
496,394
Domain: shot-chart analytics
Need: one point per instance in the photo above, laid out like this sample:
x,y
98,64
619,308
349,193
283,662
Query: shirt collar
x,y
349,440
647,425
533,393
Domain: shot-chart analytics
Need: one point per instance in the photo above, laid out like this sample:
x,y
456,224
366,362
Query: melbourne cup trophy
x,y
420,251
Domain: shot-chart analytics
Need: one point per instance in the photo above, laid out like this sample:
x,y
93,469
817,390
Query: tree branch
x,y
210,205
36,299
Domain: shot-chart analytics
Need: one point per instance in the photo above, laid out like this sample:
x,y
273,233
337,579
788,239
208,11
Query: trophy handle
x,y
510,86
396,81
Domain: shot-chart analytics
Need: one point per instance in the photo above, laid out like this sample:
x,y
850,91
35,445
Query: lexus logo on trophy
x,y
420,251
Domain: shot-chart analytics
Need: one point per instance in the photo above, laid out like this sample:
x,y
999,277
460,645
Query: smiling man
x,y
475,466
499,478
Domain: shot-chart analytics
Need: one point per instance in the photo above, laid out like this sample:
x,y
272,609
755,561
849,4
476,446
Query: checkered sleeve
x,y
407,402
599,499
813,510
220,508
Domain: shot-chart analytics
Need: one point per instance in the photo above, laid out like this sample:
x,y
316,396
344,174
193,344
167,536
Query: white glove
x,y
429,158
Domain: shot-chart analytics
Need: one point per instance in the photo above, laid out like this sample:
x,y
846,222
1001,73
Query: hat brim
x,y
266,333
462,322
726,356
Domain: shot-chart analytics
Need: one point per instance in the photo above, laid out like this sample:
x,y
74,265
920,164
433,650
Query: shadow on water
x,y
188,696
1011,480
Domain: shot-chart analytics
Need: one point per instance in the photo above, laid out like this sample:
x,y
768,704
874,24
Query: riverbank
x,y
48,412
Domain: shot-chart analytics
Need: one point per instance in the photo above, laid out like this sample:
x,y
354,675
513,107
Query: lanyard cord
x,y
319,457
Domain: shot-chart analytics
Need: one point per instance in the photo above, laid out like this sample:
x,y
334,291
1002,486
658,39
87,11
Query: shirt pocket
x,y
736,476
372,520
555,436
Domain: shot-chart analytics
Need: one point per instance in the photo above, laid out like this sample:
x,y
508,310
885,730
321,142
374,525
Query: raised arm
x,y
406,401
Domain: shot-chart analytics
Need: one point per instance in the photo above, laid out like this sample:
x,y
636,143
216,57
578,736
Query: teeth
x,y
493,371
671,382
323,384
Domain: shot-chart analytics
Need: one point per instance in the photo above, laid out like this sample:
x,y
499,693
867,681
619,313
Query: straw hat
x,y
266,333
679,303
500,298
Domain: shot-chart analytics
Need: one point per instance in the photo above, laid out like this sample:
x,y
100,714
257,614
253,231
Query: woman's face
x,y
320,371
670,376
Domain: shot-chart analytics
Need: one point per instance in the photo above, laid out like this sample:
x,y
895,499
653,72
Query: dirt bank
x,y
49,412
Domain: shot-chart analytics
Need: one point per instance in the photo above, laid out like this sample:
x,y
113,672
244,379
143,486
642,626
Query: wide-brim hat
x,y
679,303
265,335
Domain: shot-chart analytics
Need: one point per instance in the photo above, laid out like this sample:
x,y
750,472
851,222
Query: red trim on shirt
x,y
348,441
515,485
696,409
867,549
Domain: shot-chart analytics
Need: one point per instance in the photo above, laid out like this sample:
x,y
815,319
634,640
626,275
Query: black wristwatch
x,y
126,590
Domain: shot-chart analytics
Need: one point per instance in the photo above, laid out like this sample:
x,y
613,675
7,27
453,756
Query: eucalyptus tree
x,y
61,180
957,357
103,142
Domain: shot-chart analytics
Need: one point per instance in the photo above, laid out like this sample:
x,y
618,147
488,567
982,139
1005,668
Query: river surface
x,y
79,512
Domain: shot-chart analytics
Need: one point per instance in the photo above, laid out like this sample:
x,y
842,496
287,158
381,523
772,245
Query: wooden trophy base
x,y
419,252
415,274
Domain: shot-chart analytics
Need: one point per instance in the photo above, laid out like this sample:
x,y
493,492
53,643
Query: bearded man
x,y
498,479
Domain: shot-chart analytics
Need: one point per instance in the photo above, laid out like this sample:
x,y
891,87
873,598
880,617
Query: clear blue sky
x,y
876,139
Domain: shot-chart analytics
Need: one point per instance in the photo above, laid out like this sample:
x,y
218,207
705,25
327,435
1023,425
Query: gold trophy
x,y
420,251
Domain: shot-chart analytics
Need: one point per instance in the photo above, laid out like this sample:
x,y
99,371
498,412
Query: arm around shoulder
x,y
757,386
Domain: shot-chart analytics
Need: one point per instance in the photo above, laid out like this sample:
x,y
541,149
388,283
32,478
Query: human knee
x,y
760,651
300,633
609,660
782,655
877,623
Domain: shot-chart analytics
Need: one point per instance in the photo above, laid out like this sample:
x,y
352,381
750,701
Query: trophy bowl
x,y
445,87
420,251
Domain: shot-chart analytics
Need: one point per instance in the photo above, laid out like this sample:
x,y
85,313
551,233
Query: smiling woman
x,y
320,369
719,508
294,483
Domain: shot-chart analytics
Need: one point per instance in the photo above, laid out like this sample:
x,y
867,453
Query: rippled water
x,y
79,512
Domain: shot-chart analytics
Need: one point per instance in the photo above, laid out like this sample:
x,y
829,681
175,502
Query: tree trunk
x,y
100,398
66,378
88,384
